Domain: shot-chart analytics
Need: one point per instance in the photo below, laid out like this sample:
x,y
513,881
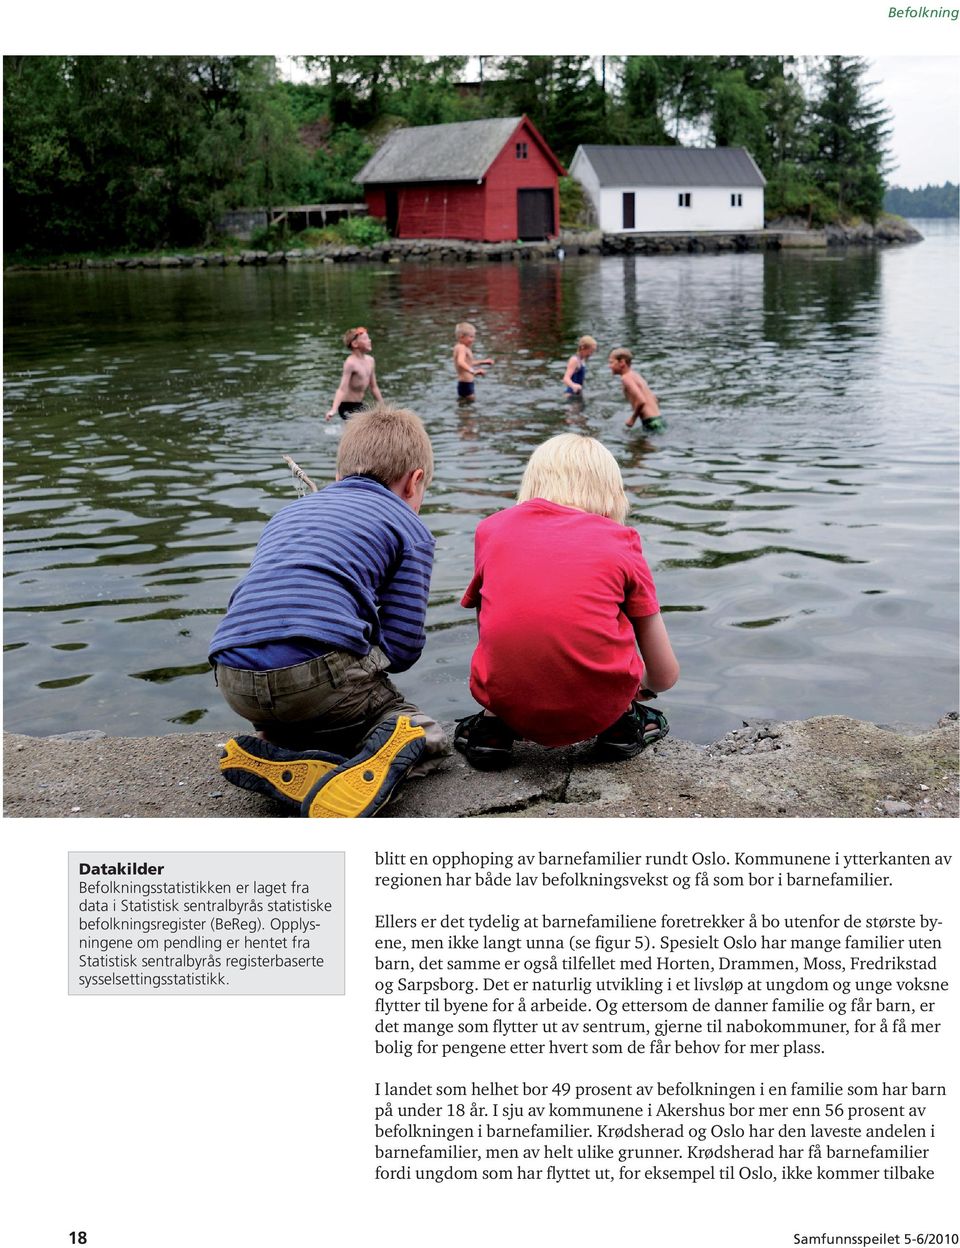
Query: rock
x,y
82,734
896,230
598,785
829,766
887,230
787,223
781,232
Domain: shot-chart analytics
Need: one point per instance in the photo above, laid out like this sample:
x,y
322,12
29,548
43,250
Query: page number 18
x,y
78,1237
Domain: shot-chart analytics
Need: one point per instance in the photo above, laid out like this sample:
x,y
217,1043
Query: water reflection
x,y
821,292
781,510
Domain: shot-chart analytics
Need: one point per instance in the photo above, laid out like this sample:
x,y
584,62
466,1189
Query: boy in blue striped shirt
x,y
335,597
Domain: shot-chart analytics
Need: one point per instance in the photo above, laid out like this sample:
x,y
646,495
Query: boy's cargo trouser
x,y
329,703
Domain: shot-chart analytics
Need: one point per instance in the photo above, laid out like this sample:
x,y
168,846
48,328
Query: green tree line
x,y
139,152
924,201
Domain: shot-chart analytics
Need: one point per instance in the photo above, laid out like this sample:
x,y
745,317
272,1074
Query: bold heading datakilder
x,y
120,868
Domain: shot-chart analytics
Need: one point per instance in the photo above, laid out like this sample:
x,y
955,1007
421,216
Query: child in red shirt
x,y
564,598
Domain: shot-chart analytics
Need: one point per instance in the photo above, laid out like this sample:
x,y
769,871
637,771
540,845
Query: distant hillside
x,y
925,201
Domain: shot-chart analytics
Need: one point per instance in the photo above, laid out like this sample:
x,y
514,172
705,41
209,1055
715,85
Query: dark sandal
x,y
485,741
633,732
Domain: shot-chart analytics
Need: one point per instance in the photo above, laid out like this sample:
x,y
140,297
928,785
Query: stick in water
x,y
300,476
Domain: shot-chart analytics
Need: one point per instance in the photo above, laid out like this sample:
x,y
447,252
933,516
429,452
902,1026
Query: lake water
x,y
799,512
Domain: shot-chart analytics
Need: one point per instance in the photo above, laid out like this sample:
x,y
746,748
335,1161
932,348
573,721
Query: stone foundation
x,y
571,242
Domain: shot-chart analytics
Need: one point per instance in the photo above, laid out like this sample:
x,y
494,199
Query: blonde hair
x,y
386,442
622,353
352,334
576,471
587,341
464,327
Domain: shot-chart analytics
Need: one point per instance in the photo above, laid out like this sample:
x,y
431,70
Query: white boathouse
x,y
643,190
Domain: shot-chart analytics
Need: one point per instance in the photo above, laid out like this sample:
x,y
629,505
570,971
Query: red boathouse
x,y
490,181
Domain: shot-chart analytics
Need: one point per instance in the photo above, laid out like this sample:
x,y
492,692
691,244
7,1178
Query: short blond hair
x,y
576,471
464,327
587,341
621,353
387,443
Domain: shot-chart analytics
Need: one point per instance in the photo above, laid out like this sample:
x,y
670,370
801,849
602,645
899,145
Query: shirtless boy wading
x,y
638,394
359,375
467,367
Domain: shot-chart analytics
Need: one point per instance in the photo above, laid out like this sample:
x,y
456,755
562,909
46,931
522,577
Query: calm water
x,y
799,512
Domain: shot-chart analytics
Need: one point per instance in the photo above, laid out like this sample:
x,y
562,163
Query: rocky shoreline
x,y
781,235
778,235
816,768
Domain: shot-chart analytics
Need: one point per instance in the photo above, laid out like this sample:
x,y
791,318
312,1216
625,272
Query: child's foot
x,y
362,785
633,731
485,741
285,775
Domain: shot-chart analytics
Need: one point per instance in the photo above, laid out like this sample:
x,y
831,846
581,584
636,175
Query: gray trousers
x,y
329,703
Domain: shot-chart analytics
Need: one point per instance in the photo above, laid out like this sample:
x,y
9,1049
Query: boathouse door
x,y
535,213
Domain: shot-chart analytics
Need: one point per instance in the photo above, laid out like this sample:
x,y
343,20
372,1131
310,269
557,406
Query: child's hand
x,y
478,372
577,389
329,414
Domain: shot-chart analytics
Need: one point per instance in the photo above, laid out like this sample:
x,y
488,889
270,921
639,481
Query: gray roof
x,y
461,151
673,166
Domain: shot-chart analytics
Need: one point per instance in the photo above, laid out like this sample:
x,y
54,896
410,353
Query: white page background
x,y
246,1121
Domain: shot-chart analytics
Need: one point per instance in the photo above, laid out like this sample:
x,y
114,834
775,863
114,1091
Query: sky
x,y
916,60
923,94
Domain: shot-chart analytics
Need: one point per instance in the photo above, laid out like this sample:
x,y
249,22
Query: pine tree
x,y
850,132
642,96
739,114
560,94
686,85
577,113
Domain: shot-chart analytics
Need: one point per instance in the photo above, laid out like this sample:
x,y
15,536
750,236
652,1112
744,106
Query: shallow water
x,y
799,511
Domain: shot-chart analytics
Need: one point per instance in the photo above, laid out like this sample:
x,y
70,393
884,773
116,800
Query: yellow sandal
x,y
362,785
